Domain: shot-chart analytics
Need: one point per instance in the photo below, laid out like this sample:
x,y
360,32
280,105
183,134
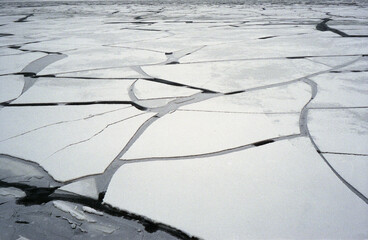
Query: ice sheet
x,y
281,190
10,87
147,90
345,89
235,75
103,57
341,130
279,99
15,63
63,90
191,133
352,168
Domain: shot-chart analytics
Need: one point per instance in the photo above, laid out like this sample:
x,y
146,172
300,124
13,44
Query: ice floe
x,y
280,190
339,130
192,133
235,75
353,168
149,90
10,87
63,90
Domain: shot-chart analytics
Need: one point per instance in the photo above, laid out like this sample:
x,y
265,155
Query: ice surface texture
x,y
215,121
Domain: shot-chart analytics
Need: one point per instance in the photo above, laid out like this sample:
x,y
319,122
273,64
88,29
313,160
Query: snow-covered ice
x,y
340,131
235,75
192,133
239,195
353,168
62,90
204,119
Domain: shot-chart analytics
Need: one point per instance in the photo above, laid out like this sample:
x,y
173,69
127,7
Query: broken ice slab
x,y
22,238
91,210
10,87
339,130
332,61
163,45
361,65
72,210
105,229
13,170
95,154
38,221
62,44
144,89
85,187
63,90
118,72
346,89
289,98
16,121
281,190
11,192
217,34
15,63
4,51
191,133
129,32
282,47
235,75
102,57
80,147
352,168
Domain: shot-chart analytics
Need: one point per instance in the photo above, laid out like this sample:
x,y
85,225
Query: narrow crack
x,y
305,131
96,134
104,179
6,34
136,48
216,153
295,80
303,119
62,122
327,108
17,47
234,112
347,184
7,104
352,71
213,61
32,69
267,37
344,153
277,58
24,19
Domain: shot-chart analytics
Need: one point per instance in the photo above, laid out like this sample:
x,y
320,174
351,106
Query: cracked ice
x,y
201,120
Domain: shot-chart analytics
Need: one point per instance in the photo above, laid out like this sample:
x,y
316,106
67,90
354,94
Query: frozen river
x,y
165,120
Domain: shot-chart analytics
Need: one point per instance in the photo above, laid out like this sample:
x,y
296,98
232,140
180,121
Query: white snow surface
x,y
352,168
340,131
192,133
224,121
257,193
